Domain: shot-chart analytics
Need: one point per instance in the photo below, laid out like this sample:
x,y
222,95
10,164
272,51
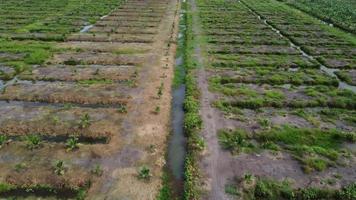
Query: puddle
x,y
86,28
342,85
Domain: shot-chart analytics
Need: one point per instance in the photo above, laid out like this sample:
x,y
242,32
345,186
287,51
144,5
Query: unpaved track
x,y
213,159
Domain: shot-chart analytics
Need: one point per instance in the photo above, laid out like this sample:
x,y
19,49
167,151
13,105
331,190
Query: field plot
x,y
80,85
277,102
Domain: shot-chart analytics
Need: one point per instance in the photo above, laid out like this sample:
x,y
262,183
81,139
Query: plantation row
x,y
268,69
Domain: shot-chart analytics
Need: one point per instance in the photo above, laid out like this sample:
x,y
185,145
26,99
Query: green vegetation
x,y
316,149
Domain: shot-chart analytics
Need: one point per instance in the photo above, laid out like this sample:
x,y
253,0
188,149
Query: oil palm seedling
x,y
72,144
59,168
20,166
157,110
84,121
144,173
160,91
97,170
33,141
122,109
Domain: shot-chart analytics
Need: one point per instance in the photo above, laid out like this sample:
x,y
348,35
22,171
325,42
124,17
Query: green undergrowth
x,y
192,121
316,149
260,188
